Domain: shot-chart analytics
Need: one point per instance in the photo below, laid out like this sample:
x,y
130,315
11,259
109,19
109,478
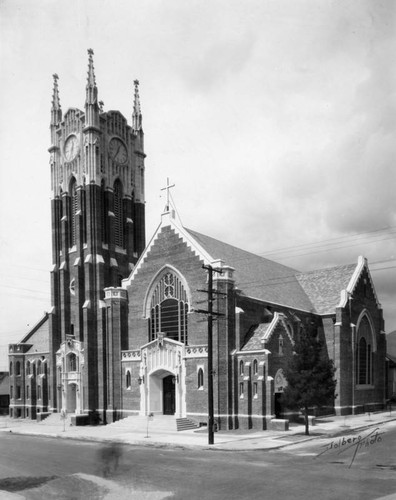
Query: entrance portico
x,y
162,372
70,364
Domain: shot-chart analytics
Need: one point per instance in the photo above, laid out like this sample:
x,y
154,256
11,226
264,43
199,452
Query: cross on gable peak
x,y
167,188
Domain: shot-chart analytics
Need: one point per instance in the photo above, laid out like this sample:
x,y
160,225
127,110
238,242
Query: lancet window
x,y
364,369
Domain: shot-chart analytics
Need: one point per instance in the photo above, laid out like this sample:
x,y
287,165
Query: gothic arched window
x,y
18,368
241,368
128,379
73,211
118,220
364,371
280,344
255,367
169,308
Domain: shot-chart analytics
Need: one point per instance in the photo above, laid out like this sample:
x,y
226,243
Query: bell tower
x,y
98,233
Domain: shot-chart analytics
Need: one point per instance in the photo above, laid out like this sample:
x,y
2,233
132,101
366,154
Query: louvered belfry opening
x,y
73,211
103,213
118,221
169,309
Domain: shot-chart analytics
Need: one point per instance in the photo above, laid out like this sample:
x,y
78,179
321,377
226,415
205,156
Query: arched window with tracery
x,y
118,214
169,309
364,350
73,211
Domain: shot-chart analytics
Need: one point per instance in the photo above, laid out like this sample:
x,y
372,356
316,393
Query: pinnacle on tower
x,y
56,111
91,101
92,91
137,114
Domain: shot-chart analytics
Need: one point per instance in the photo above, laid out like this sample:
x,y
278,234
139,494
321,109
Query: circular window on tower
x,y
72,287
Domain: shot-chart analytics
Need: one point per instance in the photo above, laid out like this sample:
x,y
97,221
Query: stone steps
x,y
166,423
55,419
184,424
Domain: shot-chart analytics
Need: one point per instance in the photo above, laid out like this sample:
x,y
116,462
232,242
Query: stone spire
x,y
56,111
137,114
92,91
91,101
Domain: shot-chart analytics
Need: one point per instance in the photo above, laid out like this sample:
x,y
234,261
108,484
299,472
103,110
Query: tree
x,y
310,376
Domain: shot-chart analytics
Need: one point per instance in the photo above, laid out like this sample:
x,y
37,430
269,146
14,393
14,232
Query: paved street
x,y
35,467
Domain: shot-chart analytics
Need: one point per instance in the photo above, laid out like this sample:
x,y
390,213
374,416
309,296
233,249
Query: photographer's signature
x,y
356,443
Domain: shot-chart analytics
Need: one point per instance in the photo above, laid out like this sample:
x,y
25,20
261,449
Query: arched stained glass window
x,y
169,309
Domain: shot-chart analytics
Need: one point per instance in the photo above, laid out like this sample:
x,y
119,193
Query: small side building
x,y
29,372
4,392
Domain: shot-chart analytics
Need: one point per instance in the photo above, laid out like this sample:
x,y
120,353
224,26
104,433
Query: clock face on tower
x,y
118,151
70,150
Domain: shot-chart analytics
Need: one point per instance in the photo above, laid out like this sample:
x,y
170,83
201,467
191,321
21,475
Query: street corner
x,y
77,485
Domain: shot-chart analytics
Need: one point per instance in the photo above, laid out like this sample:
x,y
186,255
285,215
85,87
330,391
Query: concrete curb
x,y
215,447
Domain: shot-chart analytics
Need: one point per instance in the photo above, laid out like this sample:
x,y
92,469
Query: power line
x,y
29,290
330,240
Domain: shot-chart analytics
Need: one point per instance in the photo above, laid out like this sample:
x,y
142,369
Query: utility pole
x,y
210,314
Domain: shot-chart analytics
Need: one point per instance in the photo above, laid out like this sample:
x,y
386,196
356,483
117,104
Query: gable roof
x,y
253,339
319,292
4,383
256,276
259,335
324,286
38,336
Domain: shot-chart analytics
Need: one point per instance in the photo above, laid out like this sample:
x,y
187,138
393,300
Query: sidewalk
x,y
133,432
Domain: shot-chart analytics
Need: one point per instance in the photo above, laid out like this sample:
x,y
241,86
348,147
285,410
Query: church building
x,y
127,333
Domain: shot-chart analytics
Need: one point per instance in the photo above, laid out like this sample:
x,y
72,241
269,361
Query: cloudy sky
x,y
274,118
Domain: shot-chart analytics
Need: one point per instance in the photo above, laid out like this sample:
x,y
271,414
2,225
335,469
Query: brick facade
x,y
127,333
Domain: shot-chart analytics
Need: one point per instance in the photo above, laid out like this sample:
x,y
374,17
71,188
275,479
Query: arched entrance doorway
x,y
168,391
279,385
162,393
